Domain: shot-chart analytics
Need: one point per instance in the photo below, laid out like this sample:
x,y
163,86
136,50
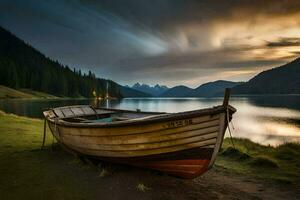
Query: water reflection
x,y
267,125
280,101
168,104
265,119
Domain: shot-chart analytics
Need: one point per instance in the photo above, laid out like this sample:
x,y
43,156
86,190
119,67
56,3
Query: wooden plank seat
x,y
74,111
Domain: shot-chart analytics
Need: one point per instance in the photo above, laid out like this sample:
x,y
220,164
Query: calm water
x,y
265,119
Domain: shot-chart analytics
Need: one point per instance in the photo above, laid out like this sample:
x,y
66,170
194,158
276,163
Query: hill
x,y
178,91
153,90
22,66
281,80
129,92
212,89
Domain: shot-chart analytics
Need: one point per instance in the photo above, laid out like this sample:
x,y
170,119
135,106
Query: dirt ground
x,y
110,181
58,175
215,184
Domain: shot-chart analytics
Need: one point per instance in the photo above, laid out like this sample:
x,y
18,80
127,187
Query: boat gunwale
x,y
158,118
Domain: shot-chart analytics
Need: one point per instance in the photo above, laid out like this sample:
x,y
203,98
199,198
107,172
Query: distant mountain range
x,y
205,90
280,80
210,89
156,90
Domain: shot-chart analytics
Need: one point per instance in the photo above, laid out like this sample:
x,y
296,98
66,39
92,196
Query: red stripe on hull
x,y
181,168
188,163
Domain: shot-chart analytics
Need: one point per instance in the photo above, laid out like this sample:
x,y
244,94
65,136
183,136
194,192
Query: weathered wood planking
x,y
130,130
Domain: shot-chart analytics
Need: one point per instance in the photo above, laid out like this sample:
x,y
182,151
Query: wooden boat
x,y
184,144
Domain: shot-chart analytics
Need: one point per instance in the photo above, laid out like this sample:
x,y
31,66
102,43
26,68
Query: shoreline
x,y
249,171
47,99
7,93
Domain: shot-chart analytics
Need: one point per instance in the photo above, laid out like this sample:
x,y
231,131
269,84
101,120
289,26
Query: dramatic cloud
x,y
160,41
285,42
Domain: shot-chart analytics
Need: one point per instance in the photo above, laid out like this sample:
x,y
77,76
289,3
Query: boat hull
x,y
185,164
185,147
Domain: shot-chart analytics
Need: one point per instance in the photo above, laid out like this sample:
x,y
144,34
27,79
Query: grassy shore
x,y
10,93
276,164
28,94
29,173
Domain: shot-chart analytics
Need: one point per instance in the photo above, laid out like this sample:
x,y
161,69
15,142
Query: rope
x,y
228,124
55,128
44,136
52,142
232,124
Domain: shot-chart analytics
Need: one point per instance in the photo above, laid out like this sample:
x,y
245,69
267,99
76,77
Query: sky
x,y
169,42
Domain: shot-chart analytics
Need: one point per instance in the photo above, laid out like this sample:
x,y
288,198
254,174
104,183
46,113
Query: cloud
x,y
284,42
165,41
196,68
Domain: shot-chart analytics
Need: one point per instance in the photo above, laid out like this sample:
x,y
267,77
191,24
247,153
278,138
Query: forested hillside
x,y
281,80
22,66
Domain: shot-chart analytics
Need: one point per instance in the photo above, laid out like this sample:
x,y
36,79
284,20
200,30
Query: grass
x,y
37,94
6,92
142,187
19,134
275,164
29,173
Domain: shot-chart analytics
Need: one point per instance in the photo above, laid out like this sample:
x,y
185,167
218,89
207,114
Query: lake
x,y
269,120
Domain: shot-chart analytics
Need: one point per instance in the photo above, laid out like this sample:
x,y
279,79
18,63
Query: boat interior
x,y
89,114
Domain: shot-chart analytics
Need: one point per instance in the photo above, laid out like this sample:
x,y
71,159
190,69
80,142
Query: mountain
x,y
129,92
281,80
178,91
213,89
156,90
210,89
